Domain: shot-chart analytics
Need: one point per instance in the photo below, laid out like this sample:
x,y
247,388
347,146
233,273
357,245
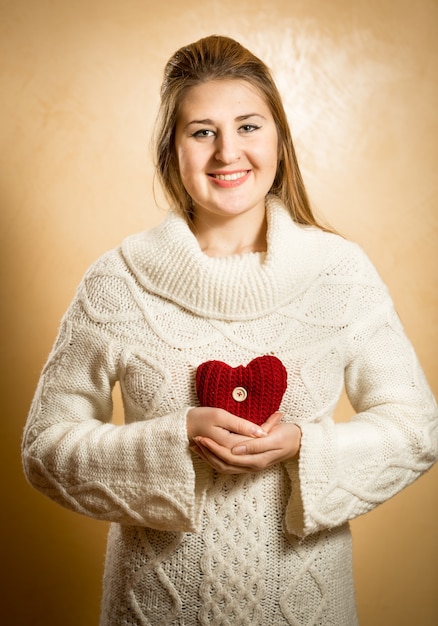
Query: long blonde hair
x,y
212,58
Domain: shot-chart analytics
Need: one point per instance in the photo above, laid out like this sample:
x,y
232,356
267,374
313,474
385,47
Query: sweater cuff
x,y
316,459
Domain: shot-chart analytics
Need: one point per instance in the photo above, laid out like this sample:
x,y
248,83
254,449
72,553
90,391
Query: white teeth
x,y
234,176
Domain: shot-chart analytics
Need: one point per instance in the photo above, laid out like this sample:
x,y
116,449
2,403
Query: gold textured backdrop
x,y
79,92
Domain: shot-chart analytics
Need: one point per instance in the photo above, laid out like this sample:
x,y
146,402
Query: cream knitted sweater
x,y
188,546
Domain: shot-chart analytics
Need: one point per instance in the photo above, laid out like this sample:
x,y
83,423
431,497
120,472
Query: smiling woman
x,y
239,300
226,144
223,61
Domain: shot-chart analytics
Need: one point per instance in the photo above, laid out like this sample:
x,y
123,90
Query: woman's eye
x,y
203,132
249,128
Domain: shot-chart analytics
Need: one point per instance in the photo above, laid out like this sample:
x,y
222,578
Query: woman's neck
x,y
218,237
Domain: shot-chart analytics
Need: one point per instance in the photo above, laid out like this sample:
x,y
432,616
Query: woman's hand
x,y
220,426
230,450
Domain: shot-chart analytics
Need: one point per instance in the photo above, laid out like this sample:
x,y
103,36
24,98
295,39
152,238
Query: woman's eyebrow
x,y
208,122
240,118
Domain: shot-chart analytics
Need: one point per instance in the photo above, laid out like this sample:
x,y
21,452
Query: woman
x,y
238,299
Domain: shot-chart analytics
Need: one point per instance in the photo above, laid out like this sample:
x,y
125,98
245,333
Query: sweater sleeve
x,y
347,469
140,473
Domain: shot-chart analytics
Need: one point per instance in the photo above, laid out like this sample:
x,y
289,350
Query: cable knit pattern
x,y
188,546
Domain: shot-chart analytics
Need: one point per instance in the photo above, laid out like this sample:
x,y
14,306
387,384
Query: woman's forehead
x,y
222,94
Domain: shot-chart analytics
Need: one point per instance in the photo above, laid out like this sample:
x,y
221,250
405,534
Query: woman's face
x,y
227,148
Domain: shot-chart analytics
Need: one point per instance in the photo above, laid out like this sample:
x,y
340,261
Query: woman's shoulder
x,y
108,264
329,251
107,289
345,258
114,260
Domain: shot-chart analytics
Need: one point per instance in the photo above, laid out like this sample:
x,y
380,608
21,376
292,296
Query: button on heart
x,y
253,392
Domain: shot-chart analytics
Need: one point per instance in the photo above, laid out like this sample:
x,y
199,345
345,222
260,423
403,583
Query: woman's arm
x,y
140,473
347,469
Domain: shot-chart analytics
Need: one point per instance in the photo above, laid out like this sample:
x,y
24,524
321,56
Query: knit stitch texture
x,y
187,545
253,392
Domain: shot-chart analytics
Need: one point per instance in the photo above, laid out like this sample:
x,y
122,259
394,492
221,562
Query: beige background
x,y
79,91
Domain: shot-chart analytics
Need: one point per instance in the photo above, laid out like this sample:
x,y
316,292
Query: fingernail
x,y
239,450
258,432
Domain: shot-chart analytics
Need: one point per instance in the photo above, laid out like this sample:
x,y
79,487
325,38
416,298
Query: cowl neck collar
x,y
168,262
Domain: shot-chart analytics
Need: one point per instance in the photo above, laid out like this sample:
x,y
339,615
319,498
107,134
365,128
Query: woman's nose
x,y
227,148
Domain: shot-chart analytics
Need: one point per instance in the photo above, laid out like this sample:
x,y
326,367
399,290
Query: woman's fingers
x,y
285,438
272,421
218,425
230,444
222,460
253,454
217,463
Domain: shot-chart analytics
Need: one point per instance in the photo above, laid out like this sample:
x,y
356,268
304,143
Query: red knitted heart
x,y
253,392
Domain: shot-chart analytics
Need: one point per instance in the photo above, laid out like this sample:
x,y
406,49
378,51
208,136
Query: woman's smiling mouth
x,y
230,179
